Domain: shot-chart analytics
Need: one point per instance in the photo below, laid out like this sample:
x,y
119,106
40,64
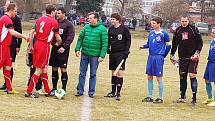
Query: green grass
x,y
17,107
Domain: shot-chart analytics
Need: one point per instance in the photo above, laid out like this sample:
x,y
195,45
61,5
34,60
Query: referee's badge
x,y
119,36
60,31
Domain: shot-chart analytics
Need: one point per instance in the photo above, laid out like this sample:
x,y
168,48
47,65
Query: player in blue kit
x,y
158,44
209,75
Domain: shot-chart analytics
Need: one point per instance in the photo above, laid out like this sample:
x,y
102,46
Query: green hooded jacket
x,y
93,40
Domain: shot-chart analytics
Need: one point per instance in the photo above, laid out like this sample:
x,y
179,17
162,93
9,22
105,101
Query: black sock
x,y
11,74
64,79
113,84
194,85
39,84
119,85
55,78
183,87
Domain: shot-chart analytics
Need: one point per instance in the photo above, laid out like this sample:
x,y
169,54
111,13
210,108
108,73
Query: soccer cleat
x,y
3,87
193,102
78,95
91,95
110,94
52,93
181,100
207,101
147,99
12,92
158,100
212,104
33,95
117,97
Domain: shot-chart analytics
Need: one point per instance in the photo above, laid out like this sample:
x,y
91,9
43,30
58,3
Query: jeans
x,y
85,60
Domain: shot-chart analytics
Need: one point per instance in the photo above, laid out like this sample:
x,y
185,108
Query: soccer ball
x,y
60,93
195,58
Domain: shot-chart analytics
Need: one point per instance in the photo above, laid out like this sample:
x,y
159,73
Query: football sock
x,y
11,74
113,84
194,85
119,85
44,77
7,79
55,77
64,79
209,90
33,81
150,88
160,88
183,87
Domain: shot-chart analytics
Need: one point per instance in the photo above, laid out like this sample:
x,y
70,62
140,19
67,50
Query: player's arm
x,y
109,43
18,27
104,41
18,35
199,41
128,43
69,36
167,43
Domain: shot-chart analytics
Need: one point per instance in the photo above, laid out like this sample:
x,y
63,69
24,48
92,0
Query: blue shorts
x,y
210,72
154,65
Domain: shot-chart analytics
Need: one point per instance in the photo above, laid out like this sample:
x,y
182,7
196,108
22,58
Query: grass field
x,y
131,108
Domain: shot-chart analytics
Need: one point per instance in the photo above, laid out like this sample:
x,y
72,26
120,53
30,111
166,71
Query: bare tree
x,y
171,9
68,5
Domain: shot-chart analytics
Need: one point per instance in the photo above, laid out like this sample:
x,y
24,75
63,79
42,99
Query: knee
x,y
183,75
150,77
191,75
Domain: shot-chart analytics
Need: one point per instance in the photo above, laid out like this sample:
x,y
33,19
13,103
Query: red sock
x,y
33,81
7,79
45,82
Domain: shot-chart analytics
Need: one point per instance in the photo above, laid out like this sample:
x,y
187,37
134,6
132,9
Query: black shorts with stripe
x,y
187,66
115,59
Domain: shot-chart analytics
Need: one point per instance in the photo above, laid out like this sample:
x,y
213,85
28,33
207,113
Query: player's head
x,y
184,19
51,10
12,10
156,22
115,19
213,32
61,13
93,17
7,2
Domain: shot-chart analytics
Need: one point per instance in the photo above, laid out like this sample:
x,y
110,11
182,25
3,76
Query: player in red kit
x,y
6,33
46,28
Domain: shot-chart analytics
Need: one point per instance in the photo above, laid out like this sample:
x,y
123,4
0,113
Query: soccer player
x,y
209,75
60,54
189,43
119,42
158,40
16,42
46,27
93,43
7,31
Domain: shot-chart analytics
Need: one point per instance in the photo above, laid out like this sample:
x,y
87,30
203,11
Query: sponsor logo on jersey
x,y
119,36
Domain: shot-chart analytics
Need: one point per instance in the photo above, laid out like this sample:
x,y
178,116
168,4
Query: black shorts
x,y
187,66
59,59
114,61
13,51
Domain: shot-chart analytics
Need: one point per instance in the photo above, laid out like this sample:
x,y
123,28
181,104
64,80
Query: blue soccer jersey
x,y
157,42
211,56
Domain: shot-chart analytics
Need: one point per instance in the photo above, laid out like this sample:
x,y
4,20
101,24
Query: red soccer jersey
x,y
46,27
5,24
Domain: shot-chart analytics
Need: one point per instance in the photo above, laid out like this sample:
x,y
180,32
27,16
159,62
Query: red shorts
x,y
4,56
41,54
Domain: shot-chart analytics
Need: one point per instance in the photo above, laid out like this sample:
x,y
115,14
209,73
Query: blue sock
x,y
150,88
160,87
194,86
209,90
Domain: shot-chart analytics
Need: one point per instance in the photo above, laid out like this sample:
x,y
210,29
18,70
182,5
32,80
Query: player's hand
x,y
100,59
17,50
195,57
141,47
78,54
173,59
61,50
58,43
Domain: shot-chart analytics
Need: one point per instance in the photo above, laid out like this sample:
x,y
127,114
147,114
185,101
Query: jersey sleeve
x,y
9,23
56,27
166,37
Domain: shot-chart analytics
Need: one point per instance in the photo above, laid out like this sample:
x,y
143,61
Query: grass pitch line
x,y
87,102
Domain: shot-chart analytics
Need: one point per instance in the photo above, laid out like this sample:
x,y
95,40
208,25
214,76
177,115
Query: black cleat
x,y
78,95
3,87
117,97
147,99
193,102
91,95
158,100
110,94
33,95
181,100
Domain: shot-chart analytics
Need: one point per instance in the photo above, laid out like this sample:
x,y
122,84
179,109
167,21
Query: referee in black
x,y
16,42
188,41
119,41
60,54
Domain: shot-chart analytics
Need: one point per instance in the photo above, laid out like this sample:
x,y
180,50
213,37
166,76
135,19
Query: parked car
x,y
174,26
203,28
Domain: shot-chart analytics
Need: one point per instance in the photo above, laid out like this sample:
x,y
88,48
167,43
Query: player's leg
x,y
64,78
212,80
44,77
3,86
55,77
119,82
7,78
194,84
92,81
82,76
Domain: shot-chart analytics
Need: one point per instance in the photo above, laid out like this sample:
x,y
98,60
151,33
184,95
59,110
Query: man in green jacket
x,y
91,47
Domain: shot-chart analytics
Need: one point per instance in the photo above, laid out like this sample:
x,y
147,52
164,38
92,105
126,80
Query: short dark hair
x,y
116,16
62,9
96,14
158,20
11,6
49,9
